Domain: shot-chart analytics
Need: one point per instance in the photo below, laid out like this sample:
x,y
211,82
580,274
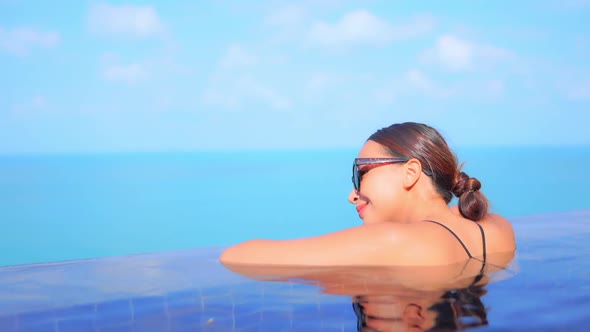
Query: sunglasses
x,y
357,174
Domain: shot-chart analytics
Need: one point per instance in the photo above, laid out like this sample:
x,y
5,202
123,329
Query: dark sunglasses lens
x,y
355,177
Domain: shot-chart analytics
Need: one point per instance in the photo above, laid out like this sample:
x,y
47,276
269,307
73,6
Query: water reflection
x,y
433,311
407,298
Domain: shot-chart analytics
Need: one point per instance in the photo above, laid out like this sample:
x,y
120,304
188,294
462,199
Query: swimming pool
x,y
545,289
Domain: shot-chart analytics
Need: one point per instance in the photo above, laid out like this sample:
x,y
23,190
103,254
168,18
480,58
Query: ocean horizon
x,y
78,206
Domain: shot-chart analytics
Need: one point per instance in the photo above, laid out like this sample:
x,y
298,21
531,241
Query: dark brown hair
x,y
416,140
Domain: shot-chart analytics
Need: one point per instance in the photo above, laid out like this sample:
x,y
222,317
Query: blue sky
x,y
199,75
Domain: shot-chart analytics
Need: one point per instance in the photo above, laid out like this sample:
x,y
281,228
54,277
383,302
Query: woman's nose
x,y
353,196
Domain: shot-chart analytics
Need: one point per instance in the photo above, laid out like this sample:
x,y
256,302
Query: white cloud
x,y
418,81
39,102
237,57
36,103
20,41
317,83
130,74
232,85
231,88
494,53
288,16
572,4
362,27
456,54
110,58
287,23
414,82
580,92
264,93
233,93
495,88
127,20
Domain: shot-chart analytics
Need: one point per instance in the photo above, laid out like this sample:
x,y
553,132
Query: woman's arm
x,y
361,245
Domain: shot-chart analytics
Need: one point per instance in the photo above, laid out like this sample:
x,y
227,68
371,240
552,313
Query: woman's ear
x,y
412,172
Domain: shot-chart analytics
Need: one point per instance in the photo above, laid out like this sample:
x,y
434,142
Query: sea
x,y
78,206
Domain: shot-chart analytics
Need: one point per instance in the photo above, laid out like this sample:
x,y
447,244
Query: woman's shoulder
x,y
497,221
502,228
412,243
490,219
497,231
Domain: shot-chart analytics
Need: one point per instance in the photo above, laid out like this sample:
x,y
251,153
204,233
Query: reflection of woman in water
x,y
432,311
404,178
400,298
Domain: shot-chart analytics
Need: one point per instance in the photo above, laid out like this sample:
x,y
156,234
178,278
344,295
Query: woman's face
x,y
381,190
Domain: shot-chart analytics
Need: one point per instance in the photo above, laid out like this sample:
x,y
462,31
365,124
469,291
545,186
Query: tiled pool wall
x,y
172,291
209,309
190,291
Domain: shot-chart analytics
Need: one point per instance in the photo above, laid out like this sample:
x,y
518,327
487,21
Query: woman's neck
x,y
425,203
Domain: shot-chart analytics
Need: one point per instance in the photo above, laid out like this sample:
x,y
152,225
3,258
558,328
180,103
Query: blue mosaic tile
x,y
272,324
117,328
336,309
255,328
148,306
217,322
216,304
216,291
85,310
180,311
8,323
153,324
186,318
247,308
247,318
80,324
113,313
188,328
181,299
36,318
38,328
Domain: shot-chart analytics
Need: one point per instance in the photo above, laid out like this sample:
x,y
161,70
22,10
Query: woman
x,y
404,178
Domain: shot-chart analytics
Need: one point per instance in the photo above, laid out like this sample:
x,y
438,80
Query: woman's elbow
x,y
226,256
239,253
230,255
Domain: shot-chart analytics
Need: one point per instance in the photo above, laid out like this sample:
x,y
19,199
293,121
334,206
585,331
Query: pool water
x,y
544,289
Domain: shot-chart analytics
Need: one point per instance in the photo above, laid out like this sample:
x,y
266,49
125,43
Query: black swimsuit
x,y
483,240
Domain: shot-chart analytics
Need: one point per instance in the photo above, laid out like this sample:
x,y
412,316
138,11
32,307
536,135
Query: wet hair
x,y
460,309
416,140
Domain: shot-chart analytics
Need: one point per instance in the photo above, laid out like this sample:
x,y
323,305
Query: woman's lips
x,y
360,208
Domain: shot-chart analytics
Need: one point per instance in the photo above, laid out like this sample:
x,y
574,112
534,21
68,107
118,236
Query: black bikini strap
x,y
483,240
457,237
483,265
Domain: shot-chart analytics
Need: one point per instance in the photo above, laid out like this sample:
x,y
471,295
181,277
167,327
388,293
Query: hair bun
x,y
459,187
463,183
472,185
472,204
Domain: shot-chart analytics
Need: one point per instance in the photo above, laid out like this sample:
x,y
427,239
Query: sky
x,y
125,76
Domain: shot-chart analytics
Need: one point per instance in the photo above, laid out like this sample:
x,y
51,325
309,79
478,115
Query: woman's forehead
x,y
372,149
